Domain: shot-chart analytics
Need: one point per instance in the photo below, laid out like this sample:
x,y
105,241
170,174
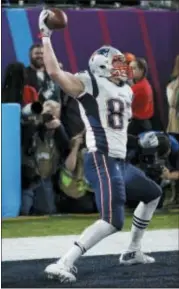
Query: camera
x,y
33,124
30,109
33,111
47,117
151,163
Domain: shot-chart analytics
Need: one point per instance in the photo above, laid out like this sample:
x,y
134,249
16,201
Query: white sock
x,y
142,216
90,237
71,256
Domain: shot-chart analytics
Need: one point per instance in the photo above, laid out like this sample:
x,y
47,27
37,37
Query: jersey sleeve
x,y
85,78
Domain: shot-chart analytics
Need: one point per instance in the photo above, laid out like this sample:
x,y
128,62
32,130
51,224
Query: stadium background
x,y
149,34
152,34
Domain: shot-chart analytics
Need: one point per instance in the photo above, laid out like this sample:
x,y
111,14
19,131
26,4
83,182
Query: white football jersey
x,y
105,109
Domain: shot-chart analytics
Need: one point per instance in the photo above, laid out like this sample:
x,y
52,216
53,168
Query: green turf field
x,y
67,225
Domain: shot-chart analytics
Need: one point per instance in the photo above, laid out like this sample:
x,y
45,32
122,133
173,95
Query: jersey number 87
x,y
115,113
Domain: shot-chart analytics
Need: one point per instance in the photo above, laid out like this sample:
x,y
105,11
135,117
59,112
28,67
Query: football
x,y
57,19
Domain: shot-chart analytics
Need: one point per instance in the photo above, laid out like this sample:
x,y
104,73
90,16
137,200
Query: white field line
x,y
54,246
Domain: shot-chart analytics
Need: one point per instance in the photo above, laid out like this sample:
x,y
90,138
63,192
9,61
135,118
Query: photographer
x,y
152,159
76,194
171,173
165,156
44,144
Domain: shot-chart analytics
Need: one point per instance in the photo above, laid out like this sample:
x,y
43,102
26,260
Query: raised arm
x,y
68,82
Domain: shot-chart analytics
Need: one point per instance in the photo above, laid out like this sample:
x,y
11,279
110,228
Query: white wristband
x,y
45,39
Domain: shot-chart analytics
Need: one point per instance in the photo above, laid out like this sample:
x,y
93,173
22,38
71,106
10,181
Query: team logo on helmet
x,y
103,51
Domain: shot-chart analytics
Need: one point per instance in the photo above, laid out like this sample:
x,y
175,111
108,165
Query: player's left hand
x,y
45,31
148,140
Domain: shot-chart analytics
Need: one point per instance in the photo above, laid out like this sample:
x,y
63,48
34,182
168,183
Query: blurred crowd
x,y
53,143
98,3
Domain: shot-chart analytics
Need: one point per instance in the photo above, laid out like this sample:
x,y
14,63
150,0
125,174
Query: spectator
x,y
129,57
143,106
175,72
173,100
38,77
14,88
41,159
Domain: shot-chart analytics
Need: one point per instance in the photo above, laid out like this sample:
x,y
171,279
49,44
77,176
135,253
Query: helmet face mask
x,y
119,67
109,62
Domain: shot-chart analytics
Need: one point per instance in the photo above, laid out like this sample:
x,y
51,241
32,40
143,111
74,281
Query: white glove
x,y
148,140
45,31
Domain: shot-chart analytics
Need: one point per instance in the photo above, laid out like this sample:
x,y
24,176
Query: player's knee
x,y
159,191
118,223
155,193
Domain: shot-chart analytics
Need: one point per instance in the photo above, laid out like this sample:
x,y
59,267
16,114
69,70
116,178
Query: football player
x,y
105,103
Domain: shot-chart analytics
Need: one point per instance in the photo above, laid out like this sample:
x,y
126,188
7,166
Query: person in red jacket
x,y
143,104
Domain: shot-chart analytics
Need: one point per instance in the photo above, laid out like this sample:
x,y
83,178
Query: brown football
x,y
57,19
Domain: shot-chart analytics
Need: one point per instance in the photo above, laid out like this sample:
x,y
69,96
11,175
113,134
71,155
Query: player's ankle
x,y
134,247
68,262
59,261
